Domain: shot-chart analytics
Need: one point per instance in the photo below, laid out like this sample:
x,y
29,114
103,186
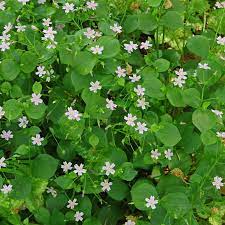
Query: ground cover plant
x,y
112,112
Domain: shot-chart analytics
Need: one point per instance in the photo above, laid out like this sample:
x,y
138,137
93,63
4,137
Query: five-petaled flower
x,y
110,104
217,182
36,99
2,162
66,166
106,185
6,188
168,154
37,140
78,216
73,114
151,202
108,168
68,7
155,154
97,50
95,86
79,169
92,5
141,127
130,119
7,135
72,203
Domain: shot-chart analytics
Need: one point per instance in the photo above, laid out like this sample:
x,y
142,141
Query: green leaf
x,y
84,62
141,190
204,119
131,23
175,97
37,87
93,140
9,69
172,20
128,172
154,3
91,221
44,166
199,45
57,202
192,97
208,137
119,190
177,204
42,216
57,216
29,61
161,65
85,206
168,134
108,43
13,109
147,22
35,111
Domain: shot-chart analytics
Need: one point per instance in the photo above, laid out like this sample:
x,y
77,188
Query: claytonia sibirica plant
x,y
112,112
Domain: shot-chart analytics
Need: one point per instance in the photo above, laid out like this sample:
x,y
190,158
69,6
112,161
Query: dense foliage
x,y
112,112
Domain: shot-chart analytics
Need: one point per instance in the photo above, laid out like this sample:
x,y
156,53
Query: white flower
x,y
130,222
140,91
92,5
130,119
134,78
110,104
180,79
168,154
141,127
41,1
6,135
72,203
46,22
130,47
8,27
66,166
116,28
68,7
78,216
97,34
181,73
5,37
217,112
120,72
52,191
220,40
95,86
73,114
220,5
2,162
6,188
24,2
20,28
97,50
218,182
151,202
108,168
23,121
4,46
2,5
37,140
106,185
145,45
90,33
142,103
2,112
49,34
79,169
204,66
178,82
220,134
155,154
36,99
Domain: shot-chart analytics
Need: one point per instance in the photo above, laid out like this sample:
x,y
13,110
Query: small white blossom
x,y
7,27
217,113
23,121
2,162
142,103
97,50
5,46
110,104
95,86
130,119
130,47
220,134
90,33
49,34
6,188
72,203
155,154
106,185
52,191
7,135
180,79
108,168
151,202
140,91
37,140
220,5
73,114
92,5
2,112
134,78
168,154
24,2
20,28
130,222
66,166
36,99
220,40
2,5
47,22
68,7
116,28
145,45
204,66
141,127
120,72
41,71
78,216
79,169
218,182
41,1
